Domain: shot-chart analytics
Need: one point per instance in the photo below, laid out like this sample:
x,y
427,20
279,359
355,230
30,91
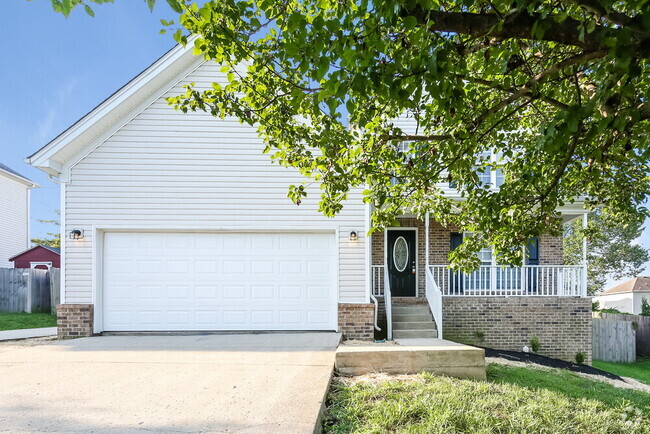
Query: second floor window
x,y
489,175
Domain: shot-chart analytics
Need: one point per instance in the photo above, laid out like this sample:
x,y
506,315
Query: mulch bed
x,y
547,361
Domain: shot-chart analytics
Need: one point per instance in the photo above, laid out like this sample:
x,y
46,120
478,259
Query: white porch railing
x,y
377,284
434,298
498,281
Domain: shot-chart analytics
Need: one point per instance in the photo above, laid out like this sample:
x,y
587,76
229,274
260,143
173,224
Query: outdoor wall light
x,y
353,236
76,234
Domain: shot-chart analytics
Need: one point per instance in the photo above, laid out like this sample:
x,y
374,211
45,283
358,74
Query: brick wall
x,y
356,320
562,325
74,320
550,250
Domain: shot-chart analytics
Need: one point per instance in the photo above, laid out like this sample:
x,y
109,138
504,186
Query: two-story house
x,y
178,222
14,214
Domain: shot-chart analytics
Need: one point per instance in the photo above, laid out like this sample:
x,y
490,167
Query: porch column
x,y
426,242
584,257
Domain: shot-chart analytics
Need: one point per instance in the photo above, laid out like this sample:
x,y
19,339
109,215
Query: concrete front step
x,y
412,357
414,334
401,317
414,325
411,309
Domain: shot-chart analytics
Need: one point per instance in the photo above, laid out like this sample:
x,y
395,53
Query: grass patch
x,y
639,370
16,321
512,400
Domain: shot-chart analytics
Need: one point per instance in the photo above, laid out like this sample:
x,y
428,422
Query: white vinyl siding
x,y
169,170
14,216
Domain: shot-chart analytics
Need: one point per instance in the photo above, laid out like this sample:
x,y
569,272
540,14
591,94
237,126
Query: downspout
x,y
376,302
426,240
369,275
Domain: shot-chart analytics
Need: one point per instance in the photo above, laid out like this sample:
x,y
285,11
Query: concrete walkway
x,y
7,335
216,383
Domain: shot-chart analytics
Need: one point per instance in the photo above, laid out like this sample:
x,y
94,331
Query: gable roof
x,y
637,284
11,173
52,157
51,249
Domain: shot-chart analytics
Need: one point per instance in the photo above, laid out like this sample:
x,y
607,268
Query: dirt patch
x,y
378,377
29,342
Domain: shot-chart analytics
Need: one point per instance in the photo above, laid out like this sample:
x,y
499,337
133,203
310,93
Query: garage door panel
x,y
219,281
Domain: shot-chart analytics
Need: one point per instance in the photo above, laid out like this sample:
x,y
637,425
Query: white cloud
x,y
48,127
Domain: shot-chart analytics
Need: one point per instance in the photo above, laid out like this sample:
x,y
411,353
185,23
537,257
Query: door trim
x,y
417,248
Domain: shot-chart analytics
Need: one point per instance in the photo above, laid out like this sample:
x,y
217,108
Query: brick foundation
x,y
356,320
74,320
562,325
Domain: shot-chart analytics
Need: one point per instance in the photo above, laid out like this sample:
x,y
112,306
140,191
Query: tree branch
x,y
595,7
527,88
518,26
416,138
497,86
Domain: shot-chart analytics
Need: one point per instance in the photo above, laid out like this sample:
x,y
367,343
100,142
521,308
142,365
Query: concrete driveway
x,y
209,383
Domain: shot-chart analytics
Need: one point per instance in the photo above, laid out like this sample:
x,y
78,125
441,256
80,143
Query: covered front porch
x,y
411,262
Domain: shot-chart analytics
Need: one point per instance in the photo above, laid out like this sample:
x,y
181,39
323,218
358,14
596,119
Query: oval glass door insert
x,y
400,254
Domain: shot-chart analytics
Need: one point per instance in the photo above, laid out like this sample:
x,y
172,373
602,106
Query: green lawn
x,y
639,370
15,321
511,400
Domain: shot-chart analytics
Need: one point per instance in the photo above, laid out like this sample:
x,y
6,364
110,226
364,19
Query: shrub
x,y
611,310
534,344
595,306
580,357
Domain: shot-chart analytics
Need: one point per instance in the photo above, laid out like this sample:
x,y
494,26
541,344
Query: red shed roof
x,y
51,249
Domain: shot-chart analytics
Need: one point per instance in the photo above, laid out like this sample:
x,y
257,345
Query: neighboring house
x,y
183,224
626,296
41,257
14,213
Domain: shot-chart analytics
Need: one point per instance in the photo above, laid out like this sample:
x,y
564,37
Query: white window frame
x,y
37,263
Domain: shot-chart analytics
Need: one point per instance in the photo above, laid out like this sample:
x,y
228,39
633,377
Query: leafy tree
x,y
66,6
557,89
53,238
611,249
645,307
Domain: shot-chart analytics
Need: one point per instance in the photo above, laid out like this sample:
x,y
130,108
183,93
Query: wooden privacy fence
x,y
613,340
29,290
642,326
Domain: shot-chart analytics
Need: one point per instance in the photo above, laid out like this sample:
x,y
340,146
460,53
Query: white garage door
x,y
219,281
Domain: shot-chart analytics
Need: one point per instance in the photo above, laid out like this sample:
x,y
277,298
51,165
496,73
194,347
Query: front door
x,y
401,262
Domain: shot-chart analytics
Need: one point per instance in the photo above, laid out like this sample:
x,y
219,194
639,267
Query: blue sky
x,y
57,69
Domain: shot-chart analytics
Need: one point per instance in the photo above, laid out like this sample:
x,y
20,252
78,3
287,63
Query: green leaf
x,y
89,10
175,5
